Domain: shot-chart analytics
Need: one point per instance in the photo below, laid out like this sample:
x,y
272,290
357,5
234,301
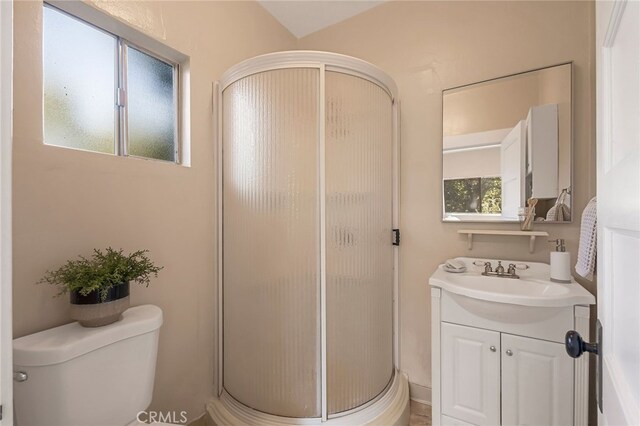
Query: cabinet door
x,y
511,171
450,421
471,374
537,382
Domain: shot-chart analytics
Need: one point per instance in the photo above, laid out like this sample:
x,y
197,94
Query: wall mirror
x,y
505,141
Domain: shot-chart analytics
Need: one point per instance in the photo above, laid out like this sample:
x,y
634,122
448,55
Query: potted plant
x,y
99,285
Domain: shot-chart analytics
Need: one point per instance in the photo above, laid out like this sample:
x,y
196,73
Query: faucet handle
x,y
512,269
487,267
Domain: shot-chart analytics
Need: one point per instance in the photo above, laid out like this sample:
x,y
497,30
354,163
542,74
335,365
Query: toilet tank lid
x,y
69,341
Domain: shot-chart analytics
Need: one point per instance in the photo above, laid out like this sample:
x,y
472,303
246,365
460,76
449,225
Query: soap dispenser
x,y
560,263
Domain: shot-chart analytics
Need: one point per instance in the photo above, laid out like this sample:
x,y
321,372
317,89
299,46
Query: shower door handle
x,y
395,237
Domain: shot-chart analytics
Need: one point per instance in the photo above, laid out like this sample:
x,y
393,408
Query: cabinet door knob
x,y
509,352
20,376
492,348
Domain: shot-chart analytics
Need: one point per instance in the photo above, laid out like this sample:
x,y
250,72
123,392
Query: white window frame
x,y
122,99
127,37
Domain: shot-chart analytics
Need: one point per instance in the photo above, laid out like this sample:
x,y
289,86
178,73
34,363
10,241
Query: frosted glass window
x,y
79,84
97,98
150,103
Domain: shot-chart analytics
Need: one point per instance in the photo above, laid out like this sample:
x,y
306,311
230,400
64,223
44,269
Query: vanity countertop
x,y
533,288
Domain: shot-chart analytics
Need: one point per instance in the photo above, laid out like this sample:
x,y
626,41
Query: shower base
x,y
392,408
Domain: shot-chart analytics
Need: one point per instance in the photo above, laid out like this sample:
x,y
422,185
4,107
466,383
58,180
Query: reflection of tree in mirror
x,y
491,195
461,195
473,195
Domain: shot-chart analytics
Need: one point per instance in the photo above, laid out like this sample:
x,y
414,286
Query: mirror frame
x,y
571,145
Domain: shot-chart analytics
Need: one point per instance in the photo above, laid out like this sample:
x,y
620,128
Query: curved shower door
x,y
359,272
307,279
271,302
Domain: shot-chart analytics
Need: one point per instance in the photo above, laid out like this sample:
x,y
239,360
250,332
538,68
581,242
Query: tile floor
x,y
420,414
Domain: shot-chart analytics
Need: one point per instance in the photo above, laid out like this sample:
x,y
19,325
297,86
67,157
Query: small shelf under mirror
x,y
531,234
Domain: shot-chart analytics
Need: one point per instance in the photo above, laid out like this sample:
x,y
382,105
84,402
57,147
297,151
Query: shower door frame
x,y
323,62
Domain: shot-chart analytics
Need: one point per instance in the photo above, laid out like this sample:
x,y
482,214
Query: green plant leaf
x,y
102,271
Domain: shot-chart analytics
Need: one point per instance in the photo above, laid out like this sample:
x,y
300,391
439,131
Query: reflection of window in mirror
x,y
473,195
507,140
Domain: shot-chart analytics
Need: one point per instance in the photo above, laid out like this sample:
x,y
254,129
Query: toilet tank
x,y
88,376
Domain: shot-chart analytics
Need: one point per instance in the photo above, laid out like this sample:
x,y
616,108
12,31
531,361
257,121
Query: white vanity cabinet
x,y
498,355
489,378
496,363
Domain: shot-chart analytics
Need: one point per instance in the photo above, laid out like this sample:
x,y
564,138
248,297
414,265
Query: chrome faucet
x,y
499,272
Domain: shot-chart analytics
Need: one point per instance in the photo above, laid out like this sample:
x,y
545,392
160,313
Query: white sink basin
x,y
534,287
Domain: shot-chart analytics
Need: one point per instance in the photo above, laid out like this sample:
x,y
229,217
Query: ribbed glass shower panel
x,y
359,185
270,242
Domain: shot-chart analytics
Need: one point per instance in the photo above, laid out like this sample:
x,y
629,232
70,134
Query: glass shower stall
x,y
307,205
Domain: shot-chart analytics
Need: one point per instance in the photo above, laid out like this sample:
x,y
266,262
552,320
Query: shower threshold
x,y
392,408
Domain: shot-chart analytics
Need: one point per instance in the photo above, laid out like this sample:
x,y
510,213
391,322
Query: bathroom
x,y
58,203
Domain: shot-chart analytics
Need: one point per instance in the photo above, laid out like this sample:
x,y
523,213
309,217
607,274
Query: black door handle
x,y
575,346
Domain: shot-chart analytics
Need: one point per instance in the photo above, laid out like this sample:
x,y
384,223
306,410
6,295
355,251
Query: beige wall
x,y
490,106
66,202
431,46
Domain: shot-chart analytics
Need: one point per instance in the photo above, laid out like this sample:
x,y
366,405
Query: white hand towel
x,y
586,264
561,211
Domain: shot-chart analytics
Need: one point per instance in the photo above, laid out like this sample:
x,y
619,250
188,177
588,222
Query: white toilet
x,y
72,375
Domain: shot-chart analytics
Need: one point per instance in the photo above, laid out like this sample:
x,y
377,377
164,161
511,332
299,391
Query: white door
x,y
512,171
618,124
6,43
537,382
471,374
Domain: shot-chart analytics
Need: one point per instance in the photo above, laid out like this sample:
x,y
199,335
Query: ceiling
x,y
302,17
